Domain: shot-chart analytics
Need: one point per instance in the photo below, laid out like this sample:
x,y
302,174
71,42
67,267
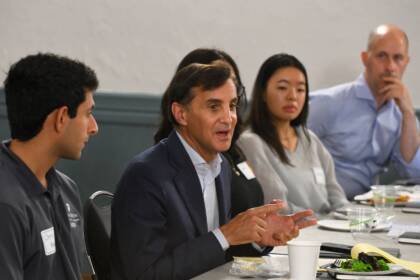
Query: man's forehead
x,y
227,91
89,101
384,37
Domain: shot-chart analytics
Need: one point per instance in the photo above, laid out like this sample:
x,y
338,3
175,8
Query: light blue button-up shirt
x,y
207,173
361,139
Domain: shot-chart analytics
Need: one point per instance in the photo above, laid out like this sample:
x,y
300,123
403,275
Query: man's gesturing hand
x,y
250,225
282,228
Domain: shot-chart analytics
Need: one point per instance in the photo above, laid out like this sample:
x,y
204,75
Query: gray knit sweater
x,y
309,183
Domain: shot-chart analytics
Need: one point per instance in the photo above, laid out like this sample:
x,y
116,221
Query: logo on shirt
x,y
73,217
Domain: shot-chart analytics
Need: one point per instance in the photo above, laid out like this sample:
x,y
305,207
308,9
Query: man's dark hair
x,y
192,77
260,119
38,84
202,56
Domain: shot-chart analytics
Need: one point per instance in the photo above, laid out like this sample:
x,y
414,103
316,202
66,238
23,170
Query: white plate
x,y
343,225
393,268
410,210
266,267
368,196
365,196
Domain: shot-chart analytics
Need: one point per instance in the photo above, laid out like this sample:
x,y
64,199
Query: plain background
x,y
134,46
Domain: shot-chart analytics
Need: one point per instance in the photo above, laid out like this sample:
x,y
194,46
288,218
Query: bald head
x,y
386,56
386,30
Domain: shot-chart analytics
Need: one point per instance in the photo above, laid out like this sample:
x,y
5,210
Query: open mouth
x,y
223,134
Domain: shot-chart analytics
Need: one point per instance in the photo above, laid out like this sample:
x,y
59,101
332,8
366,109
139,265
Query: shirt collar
x,y
198,161
35,186
363,91
11,155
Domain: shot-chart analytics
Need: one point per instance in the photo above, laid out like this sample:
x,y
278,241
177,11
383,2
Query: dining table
x,y
380,239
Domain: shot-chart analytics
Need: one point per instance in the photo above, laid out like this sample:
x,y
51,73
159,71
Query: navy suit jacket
x,y
159,225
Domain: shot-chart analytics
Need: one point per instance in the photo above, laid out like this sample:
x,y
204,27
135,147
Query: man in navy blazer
x,y
170,215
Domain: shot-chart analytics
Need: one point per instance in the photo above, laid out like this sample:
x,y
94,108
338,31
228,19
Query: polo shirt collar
x,y
34,187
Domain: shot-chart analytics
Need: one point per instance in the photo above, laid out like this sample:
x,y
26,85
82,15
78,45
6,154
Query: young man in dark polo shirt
x,y
49,104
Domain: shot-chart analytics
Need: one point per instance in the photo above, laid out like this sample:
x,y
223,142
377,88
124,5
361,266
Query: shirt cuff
x,y
221,238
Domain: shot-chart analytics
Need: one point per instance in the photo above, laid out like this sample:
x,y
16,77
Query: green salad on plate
x,y
365,263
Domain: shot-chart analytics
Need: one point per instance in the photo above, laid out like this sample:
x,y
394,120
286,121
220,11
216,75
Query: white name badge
x,y
319,175
48,239
246,170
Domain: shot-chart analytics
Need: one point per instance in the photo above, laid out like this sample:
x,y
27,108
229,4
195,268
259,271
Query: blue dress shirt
x,y
207,173
361,139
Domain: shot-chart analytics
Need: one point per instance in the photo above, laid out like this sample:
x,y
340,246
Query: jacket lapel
x,y
187,183
223,194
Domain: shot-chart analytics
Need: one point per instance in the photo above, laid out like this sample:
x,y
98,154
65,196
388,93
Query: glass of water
x,y
384,197
361,221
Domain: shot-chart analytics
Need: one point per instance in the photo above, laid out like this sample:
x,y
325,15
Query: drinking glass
x,y
361,221
384,197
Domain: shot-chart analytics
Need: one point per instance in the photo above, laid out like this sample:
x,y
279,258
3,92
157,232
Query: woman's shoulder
x,y
317,144
315,139
306,132
249,137
312,135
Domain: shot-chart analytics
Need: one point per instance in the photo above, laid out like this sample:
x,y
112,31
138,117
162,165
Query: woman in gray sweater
x,y
289,161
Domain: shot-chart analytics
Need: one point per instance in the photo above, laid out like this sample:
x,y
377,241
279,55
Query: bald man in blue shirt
x,y
370,122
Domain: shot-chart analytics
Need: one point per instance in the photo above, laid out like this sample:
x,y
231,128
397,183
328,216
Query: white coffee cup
x,y
303,259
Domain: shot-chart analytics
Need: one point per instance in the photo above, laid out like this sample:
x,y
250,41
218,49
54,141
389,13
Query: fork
x,y
337,263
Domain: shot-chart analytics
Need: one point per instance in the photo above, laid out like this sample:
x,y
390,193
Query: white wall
x,y
134,46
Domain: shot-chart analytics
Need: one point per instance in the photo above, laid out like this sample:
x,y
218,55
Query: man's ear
x,y
364,57
179,112
61,118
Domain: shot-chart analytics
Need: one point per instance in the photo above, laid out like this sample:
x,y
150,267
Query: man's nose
x,y
391,66
93,126
228,115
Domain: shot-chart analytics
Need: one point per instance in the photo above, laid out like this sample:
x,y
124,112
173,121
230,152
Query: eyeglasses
x,y
241,93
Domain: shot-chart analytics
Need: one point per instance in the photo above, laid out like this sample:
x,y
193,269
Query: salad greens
x,y
365,263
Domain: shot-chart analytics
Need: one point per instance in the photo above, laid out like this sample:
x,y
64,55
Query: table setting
x,y
371,227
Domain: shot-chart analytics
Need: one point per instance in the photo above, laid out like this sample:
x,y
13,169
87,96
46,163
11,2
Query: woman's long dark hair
x,y
260,119
202,56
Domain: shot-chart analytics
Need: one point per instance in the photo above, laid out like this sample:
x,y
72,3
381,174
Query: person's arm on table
x,y
140,235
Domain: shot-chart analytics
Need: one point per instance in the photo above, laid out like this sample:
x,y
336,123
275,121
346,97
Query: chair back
x,y
97,213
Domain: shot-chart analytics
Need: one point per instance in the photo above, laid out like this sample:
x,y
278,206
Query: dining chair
x,y
97,214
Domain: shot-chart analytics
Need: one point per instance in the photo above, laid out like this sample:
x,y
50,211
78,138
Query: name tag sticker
x,y
246,170
48,239
319,175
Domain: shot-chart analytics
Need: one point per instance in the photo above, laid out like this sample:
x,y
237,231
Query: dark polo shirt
x,y
41,234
